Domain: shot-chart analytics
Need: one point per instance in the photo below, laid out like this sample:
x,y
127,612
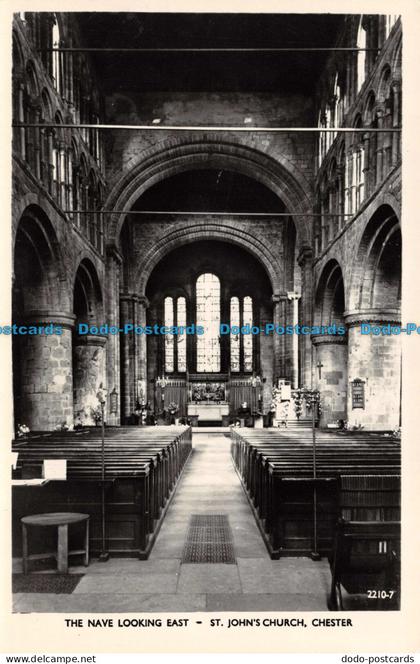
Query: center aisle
x,y
210,485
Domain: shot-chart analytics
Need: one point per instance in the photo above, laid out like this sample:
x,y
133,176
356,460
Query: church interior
x,y
236,177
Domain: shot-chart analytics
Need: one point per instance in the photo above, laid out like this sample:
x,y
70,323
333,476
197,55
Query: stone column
x,y
63,174
380,111
305,346
330,372
88,373
278,305
134,353
114,261
37,144
46,373
396,136
141,348
266,358
294,299
374,359
21,118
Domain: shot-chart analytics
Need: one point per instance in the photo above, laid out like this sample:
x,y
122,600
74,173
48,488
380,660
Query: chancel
x,y
197,193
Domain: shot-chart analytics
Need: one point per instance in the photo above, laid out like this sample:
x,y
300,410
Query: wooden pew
x,y
366,560
276,469
142,467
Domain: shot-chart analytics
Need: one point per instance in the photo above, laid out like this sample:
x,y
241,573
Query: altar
x,y
208,412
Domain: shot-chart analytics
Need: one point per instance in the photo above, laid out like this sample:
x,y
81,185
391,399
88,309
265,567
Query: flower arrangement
x,y
297,397
173,408
304,395
96,414
275,397
22,430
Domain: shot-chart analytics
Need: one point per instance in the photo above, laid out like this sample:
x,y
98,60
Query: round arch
x,y
329,298
38,262
176,156
201,231
380,242
87,293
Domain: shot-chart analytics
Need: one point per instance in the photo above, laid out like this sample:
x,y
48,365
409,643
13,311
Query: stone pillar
x,y
278,305
375,360
50,164
63,175
21,118
294,299
46,373
88,373
114,261
141,349
396,136
305,345
37,145
380,111
266,358
134,353
330,372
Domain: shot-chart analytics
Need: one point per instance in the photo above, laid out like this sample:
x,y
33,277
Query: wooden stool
x,y
62,520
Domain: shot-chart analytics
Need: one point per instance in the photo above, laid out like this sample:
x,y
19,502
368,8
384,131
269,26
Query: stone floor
x,y
255,583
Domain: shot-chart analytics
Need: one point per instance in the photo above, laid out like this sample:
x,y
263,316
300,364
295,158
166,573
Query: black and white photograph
x,y
206,329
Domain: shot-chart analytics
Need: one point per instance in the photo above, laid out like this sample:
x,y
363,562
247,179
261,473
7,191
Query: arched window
x,y
175,314
74,182
338,98
357,169
58,160
181,339
57,73
235,342
208,316
361,56
168,317
248,338
241,346
341,181
321,138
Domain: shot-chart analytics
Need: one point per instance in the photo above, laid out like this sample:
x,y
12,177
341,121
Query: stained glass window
x,y
248,338
169,338
241,314
182,338
208,316
235,345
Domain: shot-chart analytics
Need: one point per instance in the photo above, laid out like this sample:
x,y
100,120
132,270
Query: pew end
x,y
365,563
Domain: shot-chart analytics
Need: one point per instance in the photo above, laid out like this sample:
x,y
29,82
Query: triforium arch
x,y
374,354
42,355
173,157
330,345
88,350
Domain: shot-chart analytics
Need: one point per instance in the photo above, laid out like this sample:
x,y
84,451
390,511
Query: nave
x,y
209,486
